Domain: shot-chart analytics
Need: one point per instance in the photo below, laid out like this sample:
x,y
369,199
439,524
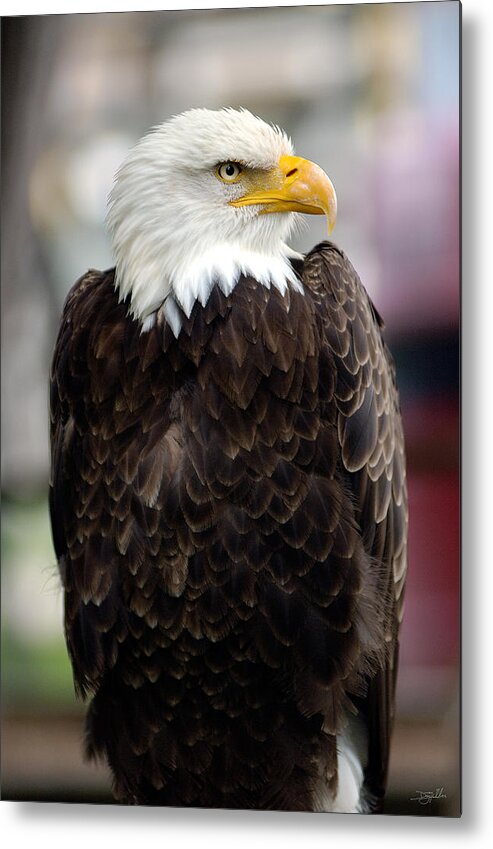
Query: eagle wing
x,y
115,444
372,456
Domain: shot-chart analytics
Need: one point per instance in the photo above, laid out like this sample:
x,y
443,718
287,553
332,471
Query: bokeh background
x,y
371,93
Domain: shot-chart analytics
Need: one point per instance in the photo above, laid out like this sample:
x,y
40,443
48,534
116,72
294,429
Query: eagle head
x,y
203,198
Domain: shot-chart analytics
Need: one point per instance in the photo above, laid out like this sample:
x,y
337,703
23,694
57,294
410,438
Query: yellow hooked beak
x,y
296,185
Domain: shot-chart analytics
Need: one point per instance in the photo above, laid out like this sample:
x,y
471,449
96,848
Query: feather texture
x,y
229,514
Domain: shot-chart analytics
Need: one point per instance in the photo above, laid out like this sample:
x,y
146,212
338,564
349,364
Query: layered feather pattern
x,y
229,514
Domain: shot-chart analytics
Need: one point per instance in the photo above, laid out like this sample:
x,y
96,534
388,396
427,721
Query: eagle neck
x,y
174,292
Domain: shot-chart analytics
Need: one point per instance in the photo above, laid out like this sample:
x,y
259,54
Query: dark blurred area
x,y
369,92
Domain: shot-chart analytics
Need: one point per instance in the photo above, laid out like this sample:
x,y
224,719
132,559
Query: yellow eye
x,y
228,172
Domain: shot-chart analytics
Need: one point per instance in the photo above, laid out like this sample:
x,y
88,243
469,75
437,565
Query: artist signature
x,y
424,797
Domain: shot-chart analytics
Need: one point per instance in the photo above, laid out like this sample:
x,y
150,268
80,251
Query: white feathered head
x,y
188,208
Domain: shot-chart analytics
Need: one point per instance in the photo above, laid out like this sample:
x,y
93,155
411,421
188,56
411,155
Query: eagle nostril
x,y
293,171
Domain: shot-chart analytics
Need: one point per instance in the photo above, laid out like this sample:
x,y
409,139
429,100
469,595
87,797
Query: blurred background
x,y
371,93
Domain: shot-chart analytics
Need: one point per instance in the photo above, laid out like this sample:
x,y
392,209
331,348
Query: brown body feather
x,y
229,514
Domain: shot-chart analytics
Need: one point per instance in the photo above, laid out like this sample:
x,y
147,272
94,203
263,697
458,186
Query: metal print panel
x,y
241,554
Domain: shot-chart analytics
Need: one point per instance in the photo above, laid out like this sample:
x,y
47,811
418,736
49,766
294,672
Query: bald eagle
x,y
228,495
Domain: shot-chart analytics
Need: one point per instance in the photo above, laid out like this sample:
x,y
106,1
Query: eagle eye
x,y
228,172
